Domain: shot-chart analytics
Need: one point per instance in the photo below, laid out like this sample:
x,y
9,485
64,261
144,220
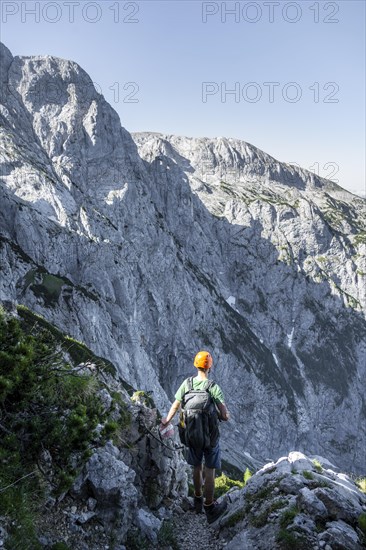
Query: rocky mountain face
x,y
295,503
150,247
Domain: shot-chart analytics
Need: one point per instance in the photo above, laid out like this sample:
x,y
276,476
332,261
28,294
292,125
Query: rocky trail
x,y
292,503
187,530
192,531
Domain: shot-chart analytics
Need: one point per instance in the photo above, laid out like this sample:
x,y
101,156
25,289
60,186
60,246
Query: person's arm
x,y
171,413
224,413
219,399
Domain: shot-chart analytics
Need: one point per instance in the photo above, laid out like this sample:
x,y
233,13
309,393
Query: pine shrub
x,y
46,405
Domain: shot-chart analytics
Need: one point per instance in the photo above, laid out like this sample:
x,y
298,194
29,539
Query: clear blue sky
x,y
313,51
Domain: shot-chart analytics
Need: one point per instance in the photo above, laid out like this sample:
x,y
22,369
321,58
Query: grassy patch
x,y
144,398
137,541
29,278
261,519
227,189
320,525
362,523
235,518
257,499
262,493
322,259
319,483
290,541
166,535
152,492
21,506
288,516
48,287
223,483
247,475
79,353
361,483
318,467
278,200
230,470
307,474
360,238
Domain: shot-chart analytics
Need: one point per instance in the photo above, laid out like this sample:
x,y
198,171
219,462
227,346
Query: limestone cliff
x,y
149,247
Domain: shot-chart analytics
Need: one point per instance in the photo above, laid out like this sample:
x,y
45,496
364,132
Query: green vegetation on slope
x,y
224,483
77,350
49,411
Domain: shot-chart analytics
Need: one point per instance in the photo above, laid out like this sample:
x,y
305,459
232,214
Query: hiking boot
x,y
215,510
198,504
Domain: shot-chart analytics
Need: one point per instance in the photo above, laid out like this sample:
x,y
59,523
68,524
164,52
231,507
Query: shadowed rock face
x,y
149,247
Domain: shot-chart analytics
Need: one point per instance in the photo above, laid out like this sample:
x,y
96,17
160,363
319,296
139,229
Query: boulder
x,y
148,524
111,483
310,503
299,462
281,507
340,536
291,484
338,506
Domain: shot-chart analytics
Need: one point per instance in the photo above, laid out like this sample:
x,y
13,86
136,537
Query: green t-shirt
x,y
215,390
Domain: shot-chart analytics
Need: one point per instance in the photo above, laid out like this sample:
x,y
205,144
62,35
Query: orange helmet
x,y
203,360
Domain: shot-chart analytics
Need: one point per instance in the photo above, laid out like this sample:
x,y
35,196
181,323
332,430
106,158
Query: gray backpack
x,y
199,427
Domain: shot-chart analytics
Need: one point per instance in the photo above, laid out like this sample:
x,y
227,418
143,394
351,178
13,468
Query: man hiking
x,y
202,403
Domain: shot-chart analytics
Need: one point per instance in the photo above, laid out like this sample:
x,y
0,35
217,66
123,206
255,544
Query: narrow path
x,y
192,532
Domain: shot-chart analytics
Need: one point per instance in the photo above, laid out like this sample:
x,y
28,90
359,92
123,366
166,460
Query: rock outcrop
x,y
296,503
150,247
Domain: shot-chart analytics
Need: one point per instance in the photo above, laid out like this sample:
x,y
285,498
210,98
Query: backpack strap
x,y
189,382
189,387
210,384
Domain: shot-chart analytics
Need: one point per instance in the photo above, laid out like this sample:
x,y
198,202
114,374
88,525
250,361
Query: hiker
x,y
202,438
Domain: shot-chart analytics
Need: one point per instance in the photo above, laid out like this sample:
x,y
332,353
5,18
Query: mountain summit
x,y
149,247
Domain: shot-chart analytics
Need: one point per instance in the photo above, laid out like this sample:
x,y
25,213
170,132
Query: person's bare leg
x,y
197,480
209,485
